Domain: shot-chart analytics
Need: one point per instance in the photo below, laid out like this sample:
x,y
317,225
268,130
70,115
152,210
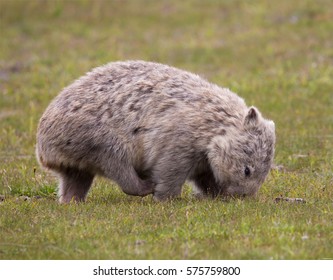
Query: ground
x,y
277,55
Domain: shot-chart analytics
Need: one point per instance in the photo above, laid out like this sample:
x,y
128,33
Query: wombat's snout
x,y
237,191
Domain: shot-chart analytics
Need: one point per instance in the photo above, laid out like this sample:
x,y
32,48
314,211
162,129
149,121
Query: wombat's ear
x,y
252,117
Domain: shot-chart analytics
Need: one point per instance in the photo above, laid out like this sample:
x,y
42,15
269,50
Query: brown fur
x,y
150,127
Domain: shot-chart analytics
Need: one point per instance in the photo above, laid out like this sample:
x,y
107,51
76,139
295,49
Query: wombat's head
x,y
242,158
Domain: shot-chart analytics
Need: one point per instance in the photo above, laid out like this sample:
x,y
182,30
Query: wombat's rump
x,y
150,127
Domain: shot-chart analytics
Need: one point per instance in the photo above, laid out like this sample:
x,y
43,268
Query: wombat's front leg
x,y
165,191
206,185
169,180
74,185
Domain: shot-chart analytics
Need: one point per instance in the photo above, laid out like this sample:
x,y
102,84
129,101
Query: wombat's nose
x,y
238,191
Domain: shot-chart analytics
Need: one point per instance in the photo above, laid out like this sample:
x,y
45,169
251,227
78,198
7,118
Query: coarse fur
x,y
150,127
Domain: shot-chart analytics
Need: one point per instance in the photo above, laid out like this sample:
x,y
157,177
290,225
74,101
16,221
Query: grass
x,y
277,55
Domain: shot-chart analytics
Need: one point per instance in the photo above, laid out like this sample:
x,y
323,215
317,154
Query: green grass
x,y
278,55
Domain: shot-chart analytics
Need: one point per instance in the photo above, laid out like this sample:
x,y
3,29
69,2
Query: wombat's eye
x,y
247,171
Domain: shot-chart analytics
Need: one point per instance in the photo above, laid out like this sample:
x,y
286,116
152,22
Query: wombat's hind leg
x,y
74,185
137,187
128,180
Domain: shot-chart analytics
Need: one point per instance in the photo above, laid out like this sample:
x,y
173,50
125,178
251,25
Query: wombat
x,y
150,127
